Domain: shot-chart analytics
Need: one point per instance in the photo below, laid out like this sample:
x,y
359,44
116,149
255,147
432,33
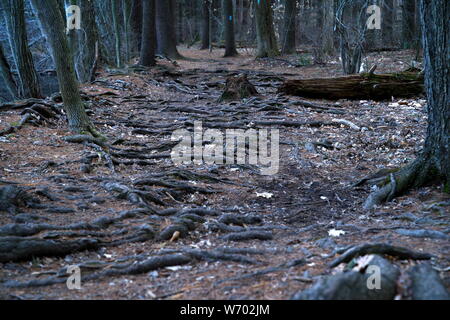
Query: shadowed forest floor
x,y
291,213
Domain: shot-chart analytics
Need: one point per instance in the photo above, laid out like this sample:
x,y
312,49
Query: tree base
x,y
238,88
414,175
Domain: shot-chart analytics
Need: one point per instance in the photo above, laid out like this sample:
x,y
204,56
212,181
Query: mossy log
x,y
361,86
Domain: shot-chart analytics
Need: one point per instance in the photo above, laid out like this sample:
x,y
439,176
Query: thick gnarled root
x,y
412,176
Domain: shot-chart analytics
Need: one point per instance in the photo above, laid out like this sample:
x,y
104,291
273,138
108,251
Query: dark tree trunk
x,y
52,25
228,19
84,42
136,25
165,29
387,23
14,11
289,25
148,34
409,30
115,6
267,42
433,165
5,73
205,24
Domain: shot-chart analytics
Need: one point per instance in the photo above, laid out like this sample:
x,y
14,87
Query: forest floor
x,y
301,216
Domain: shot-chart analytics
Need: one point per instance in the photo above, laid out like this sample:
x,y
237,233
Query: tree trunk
x,y
115,5
52,25
148,34
228,20
387,23
205,24
327,11
126,8
267,42
289,25
362,86
165,29
14,12
84,42
433,164
5,73
409,31
136,26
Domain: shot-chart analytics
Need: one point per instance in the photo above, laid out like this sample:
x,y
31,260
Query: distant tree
x,y
115,12
387,23
205,24
148,34
165,29
228,20
5,73
136,25
267,42
84,42
14,14
53,27
409,28
289,26
433,164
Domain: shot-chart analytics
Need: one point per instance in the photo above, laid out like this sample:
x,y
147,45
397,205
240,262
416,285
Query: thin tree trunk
x,y
136,26
205,25
165,29
409,30
228,19
289,25
115,4
8,79
387,23
267,42
148,34
53,27
14,12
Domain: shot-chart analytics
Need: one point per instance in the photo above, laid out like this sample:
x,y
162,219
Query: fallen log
x,y
361,86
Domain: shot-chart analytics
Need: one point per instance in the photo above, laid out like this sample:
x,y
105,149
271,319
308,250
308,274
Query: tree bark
x,y
148,34
228,20
8,79
165,29
53,27
387,23
117,36
14,13
205,24
136,25
433,164
409,30
362,86
289,25
267,42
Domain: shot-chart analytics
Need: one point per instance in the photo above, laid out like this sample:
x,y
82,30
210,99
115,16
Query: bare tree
x,y
148,34
433,164
14,14
5,72
228,20
267,42
289,25
52,26
165,29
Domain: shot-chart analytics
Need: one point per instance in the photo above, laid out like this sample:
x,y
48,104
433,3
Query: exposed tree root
x,y
379,248
414,175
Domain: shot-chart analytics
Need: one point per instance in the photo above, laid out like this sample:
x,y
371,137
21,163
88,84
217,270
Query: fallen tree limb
x,y
361,86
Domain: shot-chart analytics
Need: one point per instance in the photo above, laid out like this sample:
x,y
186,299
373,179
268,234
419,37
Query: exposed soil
x,y
293,211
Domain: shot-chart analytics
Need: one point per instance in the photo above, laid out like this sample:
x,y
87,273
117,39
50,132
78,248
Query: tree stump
x,y
237,88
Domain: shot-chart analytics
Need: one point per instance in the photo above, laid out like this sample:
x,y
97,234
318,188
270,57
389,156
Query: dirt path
x,y
158,231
